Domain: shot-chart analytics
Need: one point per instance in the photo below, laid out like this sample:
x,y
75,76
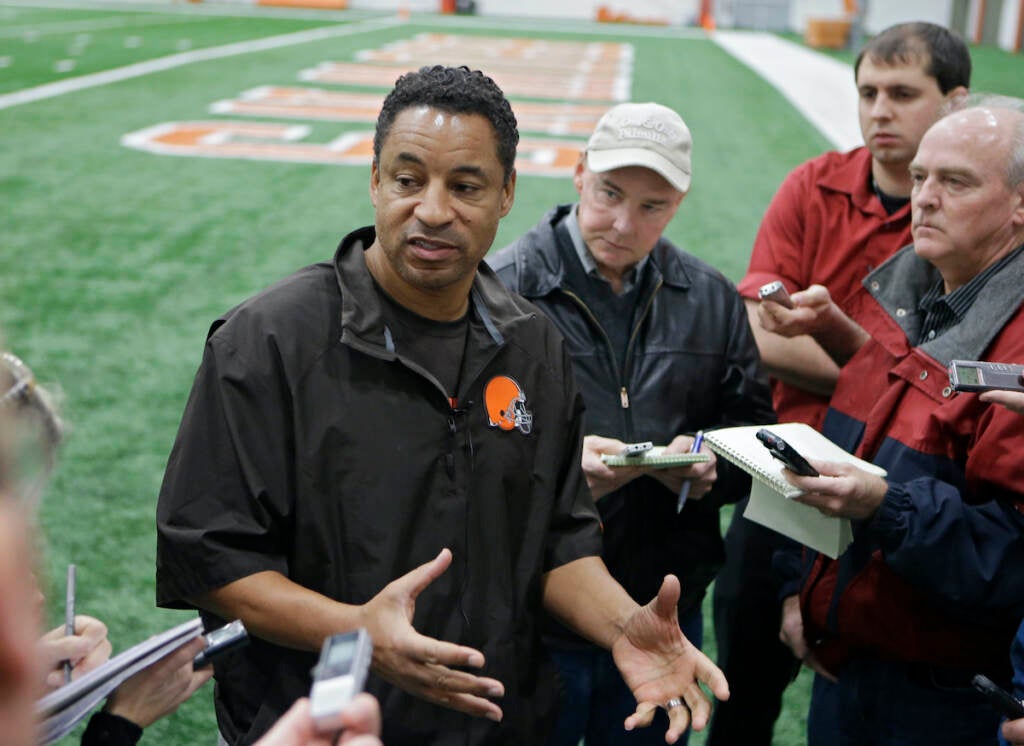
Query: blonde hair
x,y
30,429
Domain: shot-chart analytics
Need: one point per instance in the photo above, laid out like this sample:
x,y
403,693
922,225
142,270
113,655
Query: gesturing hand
x,y
659,664
422,665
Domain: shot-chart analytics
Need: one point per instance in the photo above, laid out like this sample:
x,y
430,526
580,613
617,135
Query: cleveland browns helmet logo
x,y
506,405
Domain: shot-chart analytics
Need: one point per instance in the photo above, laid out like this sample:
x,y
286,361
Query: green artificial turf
x,y
66,43
115,261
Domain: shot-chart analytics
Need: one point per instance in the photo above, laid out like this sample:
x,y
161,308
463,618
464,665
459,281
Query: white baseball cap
x,y
648,135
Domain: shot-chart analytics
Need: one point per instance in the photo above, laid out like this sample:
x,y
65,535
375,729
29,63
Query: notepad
x,y
771,494
656,458
64,708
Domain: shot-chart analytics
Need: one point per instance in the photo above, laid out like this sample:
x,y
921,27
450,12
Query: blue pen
x,y
685,491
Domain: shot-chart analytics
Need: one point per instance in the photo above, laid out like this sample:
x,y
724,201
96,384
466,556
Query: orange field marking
x,y
567,74
610,58
347,106
561,85
266,141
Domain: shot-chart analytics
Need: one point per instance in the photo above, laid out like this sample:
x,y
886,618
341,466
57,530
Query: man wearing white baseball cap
x,y
661,349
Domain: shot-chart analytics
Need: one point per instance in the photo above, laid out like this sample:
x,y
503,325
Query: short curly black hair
x,y
458,90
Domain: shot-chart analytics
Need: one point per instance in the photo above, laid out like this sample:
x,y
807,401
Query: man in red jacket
x,y
930,591
833,220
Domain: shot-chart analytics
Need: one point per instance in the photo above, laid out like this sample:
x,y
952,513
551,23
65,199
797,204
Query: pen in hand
x,y
685,491
69,617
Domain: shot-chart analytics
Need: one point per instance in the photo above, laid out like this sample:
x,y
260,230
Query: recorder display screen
x,y
968,375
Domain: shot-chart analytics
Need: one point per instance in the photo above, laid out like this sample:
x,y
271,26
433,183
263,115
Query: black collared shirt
x,y
941,312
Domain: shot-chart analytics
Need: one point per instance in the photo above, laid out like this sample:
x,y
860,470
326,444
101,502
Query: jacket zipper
x,y
622,372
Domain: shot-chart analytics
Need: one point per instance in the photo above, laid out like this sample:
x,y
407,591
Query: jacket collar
x,y
899,284
362,314
543,271
853,178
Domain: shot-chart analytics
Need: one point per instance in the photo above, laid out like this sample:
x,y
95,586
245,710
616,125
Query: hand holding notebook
x,y
771,494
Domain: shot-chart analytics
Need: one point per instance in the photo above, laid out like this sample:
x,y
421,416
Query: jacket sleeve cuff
x,y
891,521
105,729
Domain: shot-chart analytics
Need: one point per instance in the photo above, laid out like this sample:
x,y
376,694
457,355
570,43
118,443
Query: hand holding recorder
x,y
339,676
979,375
1001,383
776,292
360,720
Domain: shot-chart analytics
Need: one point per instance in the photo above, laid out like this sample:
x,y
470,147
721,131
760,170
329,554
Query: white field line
x,y
231,11
59,88
91,24
819,87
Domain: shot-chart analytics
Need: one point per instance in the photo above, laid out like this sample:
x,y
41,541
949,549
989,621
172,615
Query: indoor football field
x,y
161,162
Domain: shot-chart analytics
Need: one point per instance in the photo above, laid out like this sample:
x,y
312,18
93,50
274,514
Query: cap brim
x,y
607,160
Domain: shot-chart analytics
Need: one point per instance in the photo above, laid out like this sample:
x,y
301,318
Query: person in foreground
x,y
661,348
834,219
392,440
30,430
929,592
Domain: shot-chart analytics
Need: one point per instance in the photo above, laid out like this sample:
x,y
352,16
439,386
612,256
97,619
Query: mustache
x,y
422,232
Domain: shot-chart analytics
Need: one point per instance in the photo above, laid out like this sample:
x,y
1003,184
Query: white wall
x,y
880,15
1008,24
674,11
413,6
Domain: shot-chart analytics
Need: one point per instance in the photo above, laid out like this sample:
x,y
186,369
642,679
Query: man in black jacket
x,y
661,349
392,440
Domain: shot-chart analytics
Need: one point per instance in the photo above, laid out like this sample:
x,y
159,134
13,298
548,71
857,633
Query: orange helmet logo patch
x,y
506,405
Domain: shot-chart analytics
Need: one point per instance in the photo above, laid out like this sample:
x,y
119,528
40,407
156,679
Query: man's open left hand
x,y
659,664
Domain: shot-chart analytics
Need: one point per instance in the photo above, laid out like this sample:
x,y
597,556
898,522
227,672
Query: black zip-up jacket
x,y
691,364
313,447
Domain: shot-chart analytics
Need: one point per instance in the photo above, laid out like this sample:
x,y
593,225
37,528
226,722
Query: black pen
x,y
69,617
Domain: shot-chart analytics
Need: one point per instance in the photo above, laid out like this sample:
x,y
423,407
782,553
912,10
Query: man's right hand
x,y
815,313
811,313
423,665
792,634
602,478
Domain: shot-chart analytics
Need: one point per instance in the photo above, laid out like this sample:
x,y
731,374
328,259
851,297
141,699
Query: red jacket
x,y
824,226
937,574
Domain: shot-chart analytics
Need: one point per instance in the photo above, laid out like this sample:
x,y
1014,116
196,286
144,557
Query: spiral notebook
x,y
771,494
656,458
